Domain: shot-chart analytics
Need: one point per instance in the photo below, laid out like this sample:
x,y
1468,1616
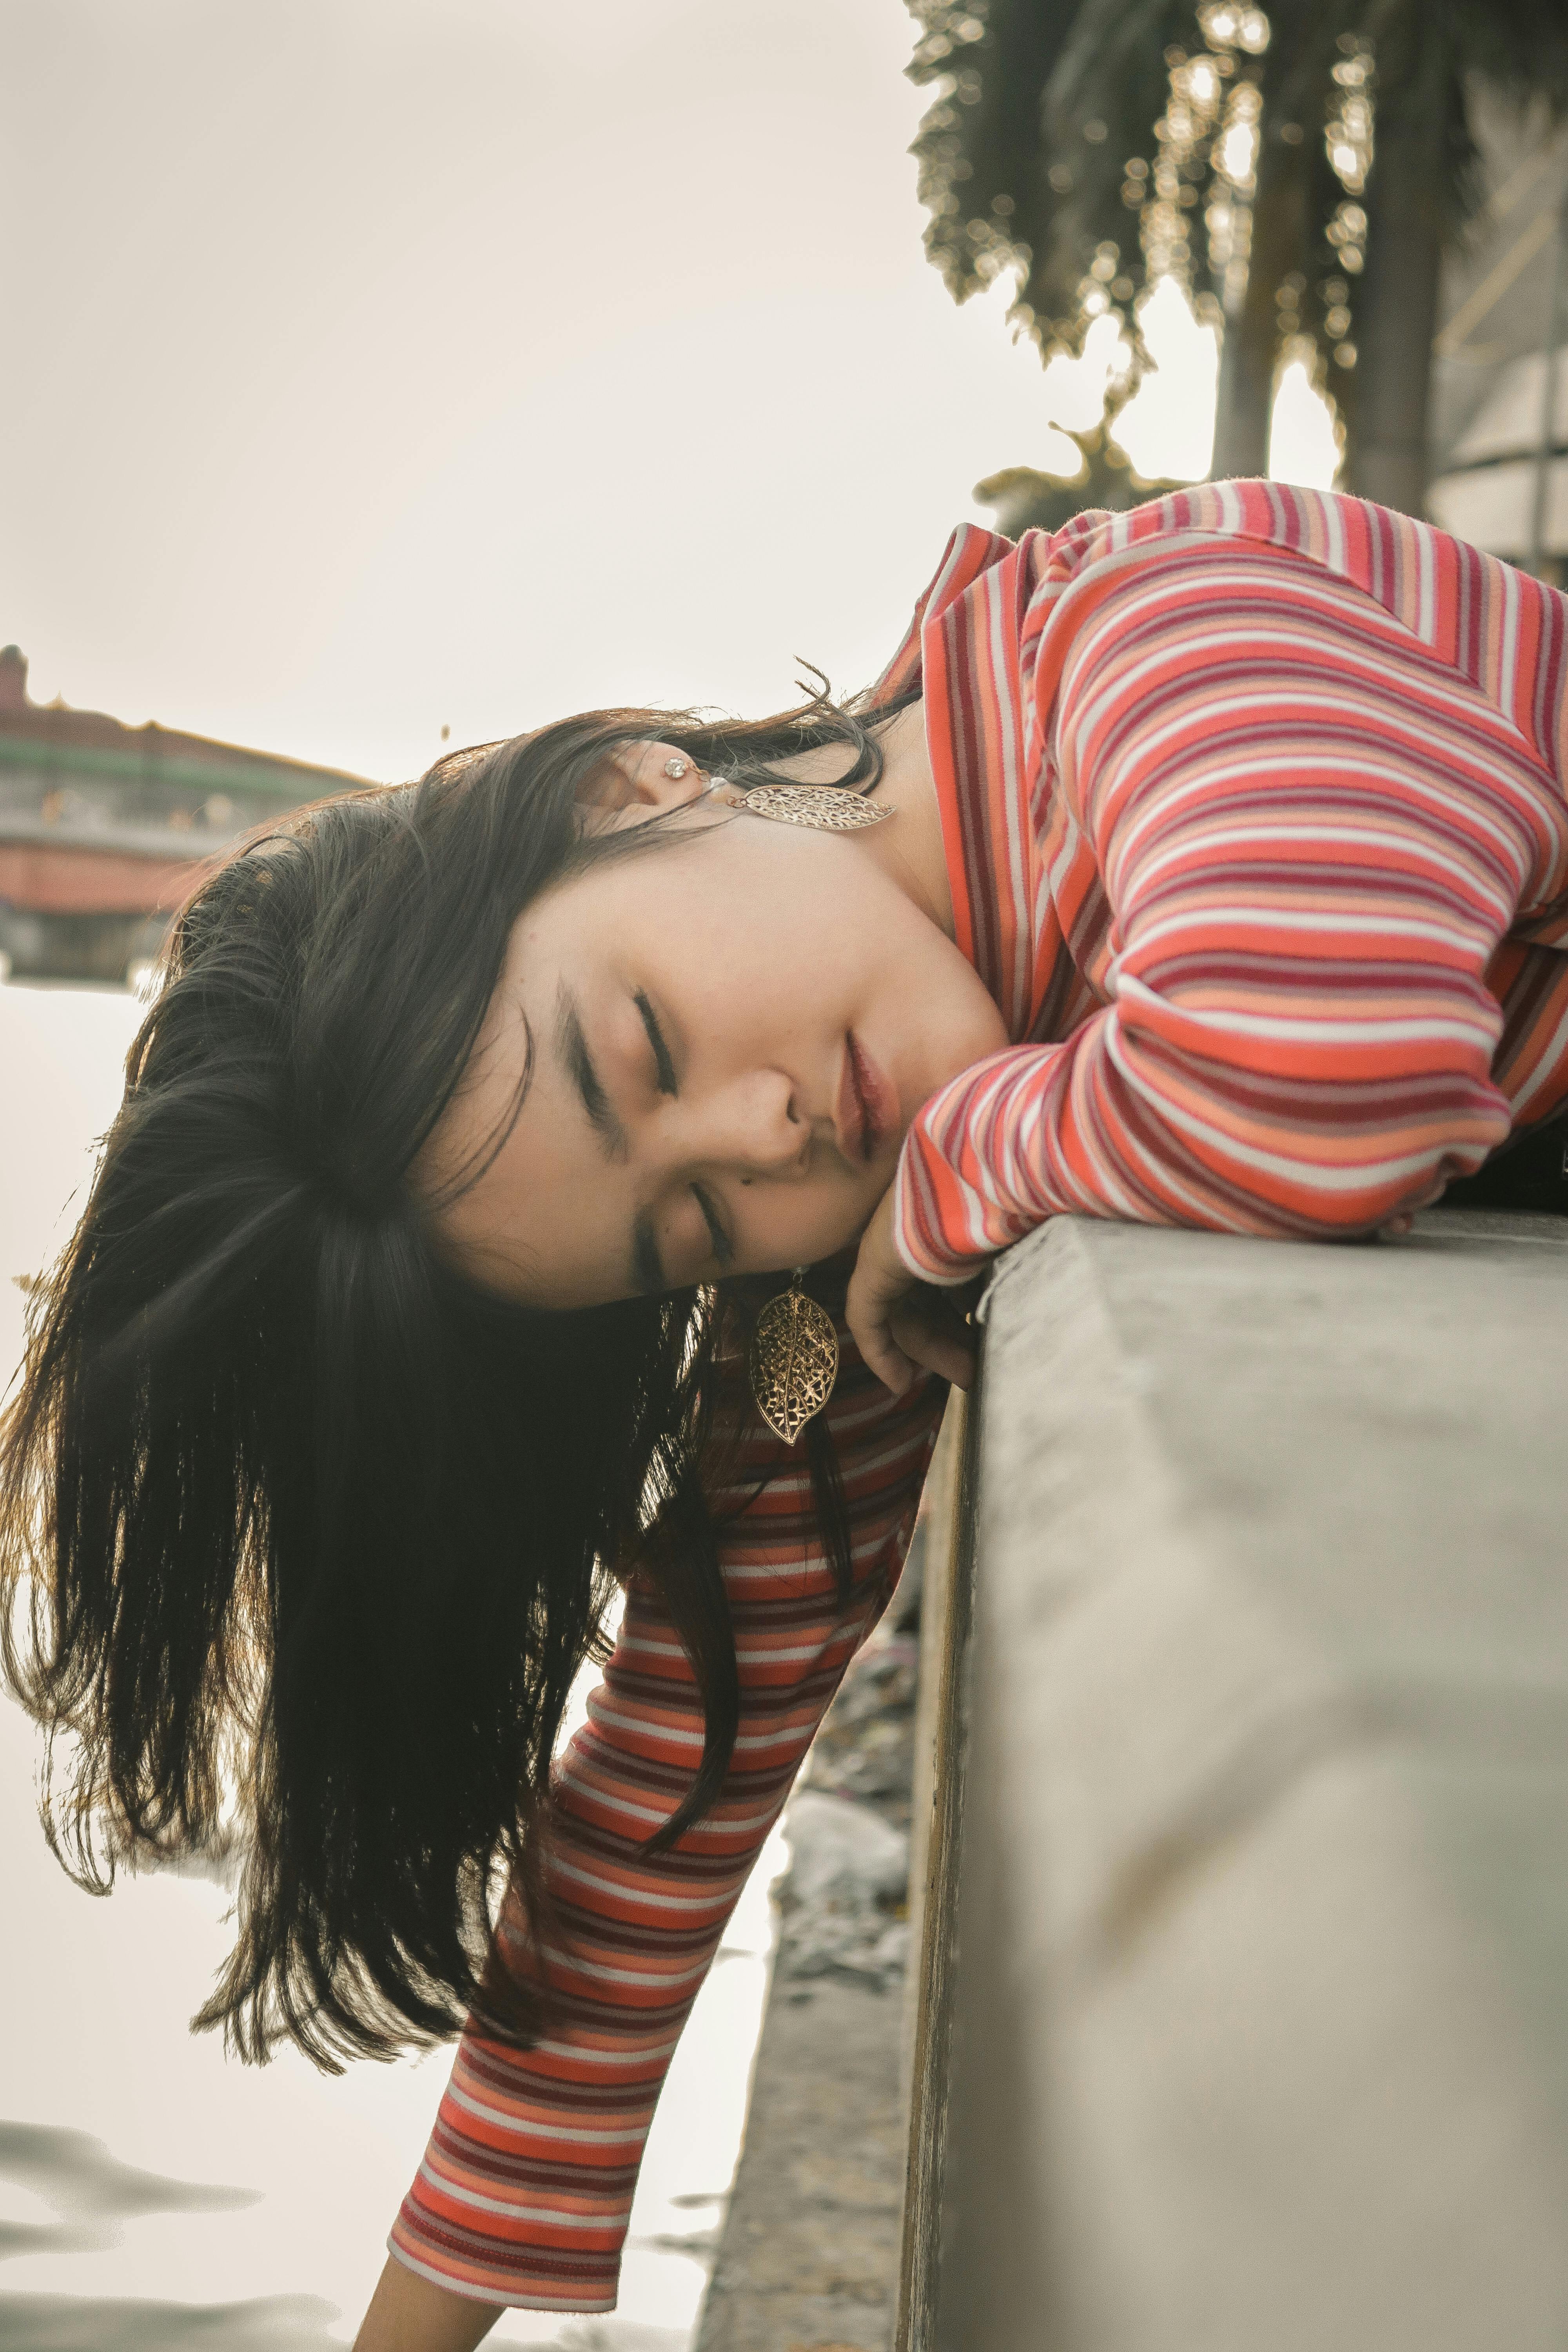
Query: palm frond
x,y
979,146
1051,125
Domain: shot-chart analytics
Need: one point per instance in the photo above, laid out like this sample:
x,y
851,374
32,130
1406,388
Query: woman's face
x,y
726,1036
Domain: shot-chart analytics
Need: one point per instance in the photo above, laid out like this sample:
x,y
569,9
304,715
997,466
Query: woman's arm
x,y
526,2187
1313,835
408,2314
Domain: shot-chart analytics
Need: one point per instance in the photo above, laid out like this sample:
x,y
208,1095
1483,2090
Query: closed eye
x,y
724,1247
663,1066
664,1069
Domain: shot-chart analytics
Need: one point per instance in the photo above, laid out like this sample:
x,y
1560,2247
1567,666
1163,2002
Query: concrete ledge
x,y
1262,1986
808,2257
809,2249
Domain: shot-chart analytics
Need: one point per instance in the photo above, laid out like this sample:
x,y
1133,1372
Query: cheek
x,y
768,935
932,1017
767,957
802,1227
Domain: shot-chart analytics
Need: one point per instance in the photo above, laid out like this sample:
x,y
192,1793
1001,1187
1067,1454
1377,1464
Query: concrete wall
x,y
1262,1980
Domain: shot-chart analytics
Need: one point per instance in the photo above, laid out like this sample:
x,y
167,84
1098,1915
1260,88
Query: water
x,y
151,2193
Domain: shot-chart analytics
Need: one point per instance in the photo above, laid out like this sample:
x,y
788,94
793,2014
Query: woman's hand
x,y
409,2314
903,1327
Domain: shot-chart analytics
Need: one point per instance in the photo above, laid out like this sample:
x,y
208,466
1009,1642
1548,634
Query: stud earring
x,y
794,1358
675,766
821,808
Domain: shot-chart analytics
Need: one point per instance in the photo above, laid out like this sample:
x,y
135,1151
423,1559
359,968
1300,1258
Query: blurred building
x,y
1490,383
105,828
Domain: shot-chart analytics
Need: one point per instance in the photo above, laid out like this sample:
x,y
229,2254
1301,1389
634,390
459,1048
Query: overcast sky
x,y
380,364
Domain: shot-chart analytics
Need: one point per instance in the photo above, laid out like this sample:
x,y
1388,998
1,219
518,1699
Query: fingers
x,y
902,1327
868,1311
932,1335
886,1357
915,1334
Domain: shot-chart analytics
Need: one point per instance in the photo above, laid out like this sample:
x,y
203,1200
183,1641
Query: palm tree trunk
x,y
1251,344
1396,312
1246,387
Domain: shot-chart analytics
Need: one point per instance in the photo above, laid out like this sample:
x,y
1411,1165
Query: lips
x,y
868,1109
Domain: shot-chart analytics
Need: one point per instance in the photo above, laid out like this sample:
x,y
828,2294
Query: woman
x,y
1216,874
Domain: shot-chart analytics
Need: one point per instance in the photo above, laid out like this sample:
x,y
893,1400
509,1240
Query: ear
x,y
636,782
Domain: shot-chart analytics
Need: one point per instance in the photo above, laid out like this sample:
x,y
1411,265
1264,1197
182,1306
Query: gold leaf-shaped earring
x,y
794,1360
821,808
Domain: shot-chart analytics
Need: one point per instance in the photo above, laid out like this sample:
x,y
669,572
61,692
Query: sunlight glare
x,y
1075,388
1303,448
1238,152
1167,427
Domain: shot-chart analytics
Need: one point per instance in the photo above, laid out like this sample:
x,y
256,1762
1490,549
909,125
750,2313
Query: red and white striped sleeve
x,y
1312,833
525,2191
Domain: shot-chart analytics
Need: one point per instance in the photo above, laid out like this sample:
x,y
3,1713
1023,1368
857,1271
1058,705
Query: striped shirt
x,y
1254,801
1254,810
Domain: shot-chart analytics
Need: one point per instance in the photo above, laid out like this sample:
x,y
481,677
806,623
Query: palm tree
x,y
1300,169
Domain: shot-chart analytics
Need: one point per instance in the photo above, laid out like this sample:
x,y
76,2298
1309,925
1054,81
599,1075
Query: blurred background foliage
x,y
1299,171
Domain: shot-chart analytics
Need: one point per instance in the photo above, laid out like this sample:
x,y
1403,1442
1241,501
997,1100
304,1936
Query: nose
x,y
755,1124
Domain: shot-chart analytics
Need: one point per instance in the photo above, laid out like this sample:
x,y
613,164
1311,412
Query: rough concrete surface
x,y
808,2256
810,2245
1262,2009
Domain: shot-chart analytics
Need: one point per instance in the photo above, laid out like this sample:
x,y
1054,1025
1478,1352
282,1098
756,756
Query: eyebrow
x,y
572,1048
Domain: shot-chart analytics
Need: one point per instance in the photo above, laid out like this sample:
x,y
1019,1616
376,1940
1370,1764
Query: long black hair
x,y
295,1525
